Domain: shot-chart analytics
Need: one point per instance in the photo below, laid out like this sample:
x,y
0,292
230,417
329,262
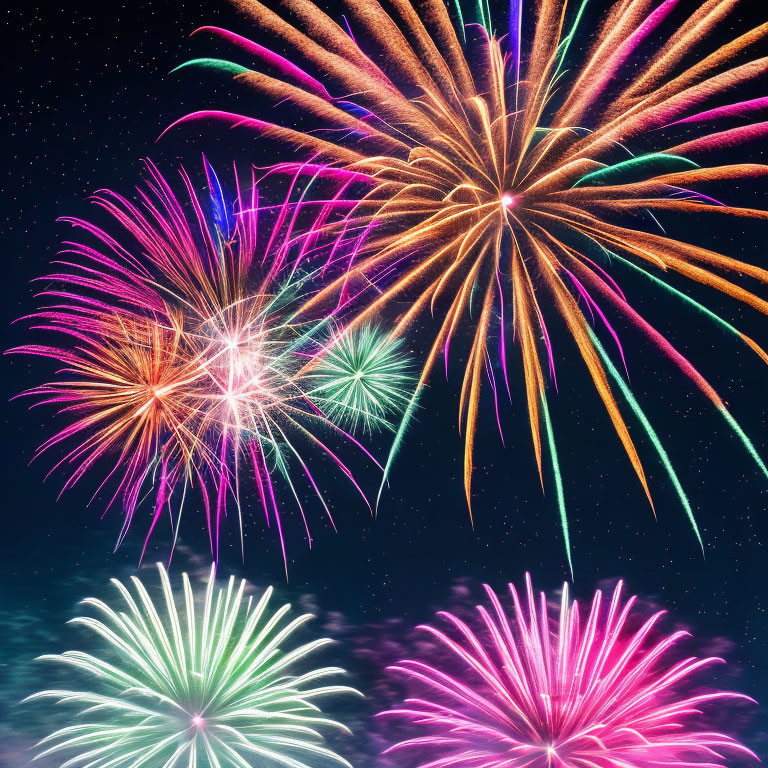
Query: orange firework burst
x,y
132,392
503,174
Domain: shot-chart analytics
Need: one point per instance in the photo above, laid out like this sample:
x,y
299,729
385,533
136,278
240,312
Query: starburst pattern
x,y
210,685
182,355
510,178
533,690
362,378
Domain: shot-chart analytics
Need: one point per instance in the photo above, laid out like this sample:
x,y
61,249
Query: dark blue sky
x,y
87,92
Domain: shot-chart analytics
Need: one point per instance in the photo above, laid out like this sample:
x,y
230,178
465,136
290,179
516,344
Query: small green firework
x,y
210,686
362,378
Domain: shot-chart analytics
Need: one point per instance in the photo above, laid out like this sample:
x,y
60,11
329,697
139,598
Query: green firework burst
x,y
209,686
362,379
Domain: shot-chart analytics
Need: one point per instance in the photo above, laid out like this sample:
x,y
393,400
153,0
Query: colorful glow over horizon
x,y
504,172
211,686
536,690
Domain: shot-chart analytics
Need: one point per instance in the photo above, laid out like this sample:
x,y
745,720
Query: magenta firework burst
x,y
575,691
180,359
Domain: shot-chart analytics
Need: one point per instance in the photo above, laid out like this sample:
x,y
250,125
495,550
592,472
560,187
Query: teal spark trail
x,y
731,421
680,295
220,65
410,410
637,168
558,479
650,431
748,444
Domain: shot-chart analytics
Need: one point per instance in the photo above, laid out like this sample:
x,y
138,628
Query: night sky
x,y
87,92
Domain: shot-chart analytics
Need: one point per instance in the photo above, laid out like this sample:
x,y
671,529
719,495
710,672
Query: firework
x,y
212,684
503,182
181,354
537,690
362,378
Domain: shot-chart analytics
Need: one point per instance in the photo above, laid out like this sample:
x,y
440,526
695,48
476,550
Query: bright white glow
x,y
508,200
198,721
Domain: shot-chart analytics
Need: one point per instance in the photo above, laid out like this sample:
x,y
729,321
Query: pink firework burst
x,y
535,689
180,358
